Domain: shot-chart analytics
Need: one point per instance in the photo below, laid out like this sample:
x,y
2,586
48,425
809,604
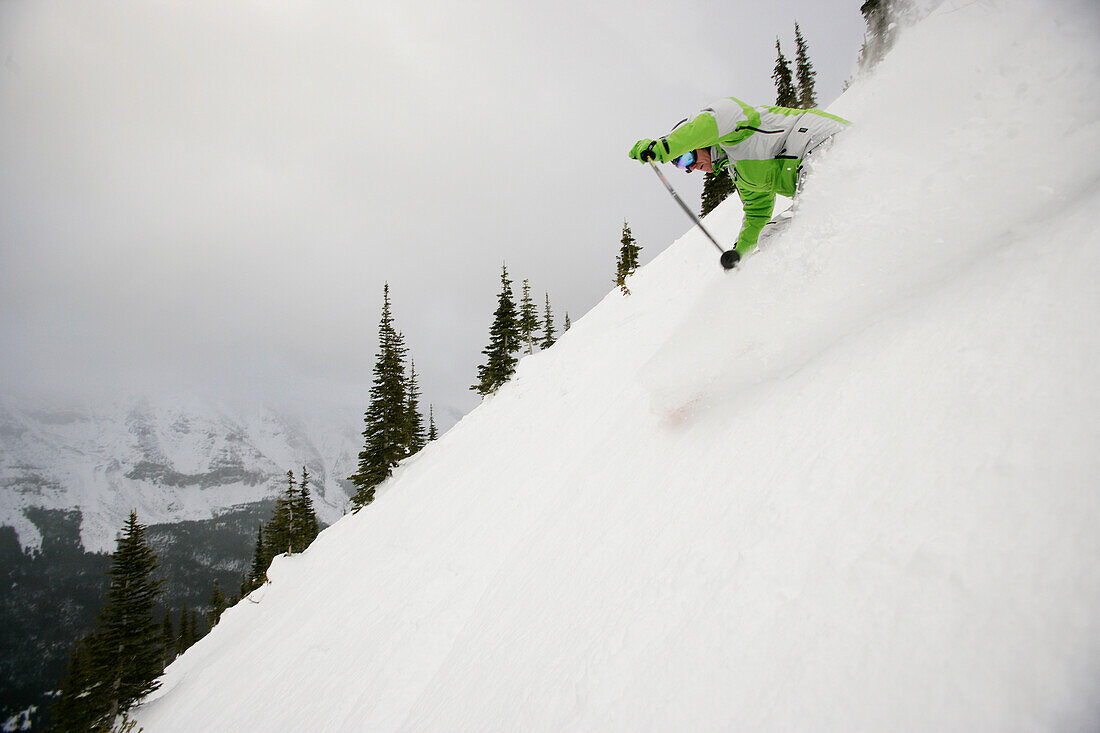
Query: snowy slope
x,y
849,486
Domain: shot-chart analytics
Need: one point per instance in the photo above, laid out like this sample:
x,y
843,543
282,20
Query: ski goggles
x,y
686,160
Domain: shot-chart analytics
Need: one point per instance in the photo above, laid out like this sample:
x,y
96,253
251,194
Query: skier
x,y
766,148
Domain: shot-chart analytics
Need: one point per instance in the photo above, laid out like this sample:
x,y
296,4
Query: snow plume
x,y
849,486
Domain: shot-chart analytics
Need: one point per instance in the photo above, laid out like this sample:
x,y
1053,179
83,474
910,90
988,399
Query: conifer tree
x,y
416,437
717,187
167,640
386,419
804,70
504,339
305,517
76,707
568,323
186,637
433,434
258,571
547,326
528,318
118,663
217,604
280,530
198,630
883,17
627,262
128,648
785,93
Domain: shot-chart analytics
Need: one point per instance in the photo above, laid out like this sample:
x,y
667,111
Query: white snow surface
x,y
850,486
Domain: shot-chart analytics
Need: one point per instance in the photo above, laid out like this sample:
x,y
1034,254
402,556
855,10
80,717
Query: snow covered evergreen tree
x,y
804,70
504,340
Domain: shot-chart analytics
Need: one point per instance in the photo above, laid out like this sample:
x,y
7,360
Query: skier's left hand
x,y
647,150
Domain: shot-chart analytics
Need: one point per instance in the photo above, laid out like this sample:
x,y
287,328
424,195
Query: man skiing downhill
x,y
767,149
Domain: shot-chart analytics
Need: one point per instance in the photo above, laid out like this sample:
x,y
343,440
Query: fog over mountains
x,y
171,460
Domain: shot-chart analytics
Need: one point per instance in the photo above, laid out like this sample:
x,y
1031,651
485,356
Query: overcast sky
x,y
211,194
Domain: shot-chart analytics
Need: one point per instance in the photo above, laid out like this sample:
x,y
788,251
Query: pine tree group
x,y
118,663
627,262
514,329
291,529
393,425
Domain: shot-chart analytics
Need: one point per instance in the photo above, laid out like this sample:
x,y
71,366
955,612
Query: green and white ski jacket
x,y
765,146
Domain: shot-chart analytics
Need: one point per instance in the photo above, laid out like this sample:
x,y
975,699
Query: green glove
x,y
647,150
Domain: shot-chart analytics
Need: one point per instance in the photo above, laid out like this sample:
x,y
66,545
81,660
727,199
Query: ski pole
x,y
729,257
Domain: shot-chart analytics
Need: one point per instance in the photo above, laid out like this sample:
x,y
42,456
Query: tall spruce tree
x,y
717,187
279,534
386,419
785,93
528,318
257,573
504,340
305,528
416,438
120,661
547,326
627,262
128,637
804,70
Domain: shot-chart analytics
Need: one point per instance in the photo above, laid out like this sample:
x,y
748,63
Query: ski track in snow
x,y
850,485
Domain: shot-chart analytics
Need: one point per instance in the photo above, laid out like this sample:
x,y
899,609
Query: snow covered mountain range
x,y
850,486
183,459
